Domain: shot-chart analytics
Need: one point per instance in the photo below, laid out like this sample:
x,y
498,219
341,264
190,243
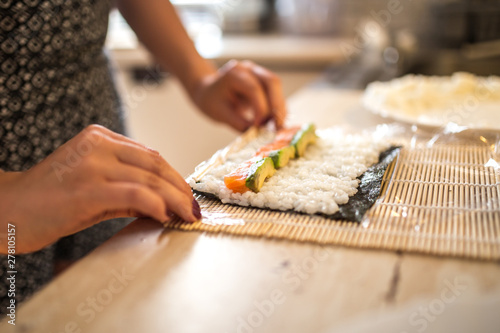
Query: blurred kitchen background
x,y
340,43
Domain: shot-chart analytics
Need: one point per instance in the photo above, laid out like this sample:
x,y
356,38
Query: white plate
x,y
463,99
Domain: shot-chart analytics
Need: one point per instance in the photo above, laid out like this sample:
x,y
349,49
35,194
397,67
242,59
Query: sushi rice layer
x,y
324,178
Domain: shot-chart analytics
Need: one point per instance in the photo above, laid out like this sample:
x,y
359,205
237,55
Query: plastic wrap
x,y
443,190
441,195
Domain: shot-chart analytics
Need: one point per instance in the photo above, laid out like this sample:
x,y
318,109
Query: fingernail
x,y
196,209
265,120
167,217
154,151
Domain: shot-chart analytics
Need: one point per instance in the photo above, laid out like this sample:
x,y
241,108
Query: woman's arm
x,y
159,28
97,175
224,94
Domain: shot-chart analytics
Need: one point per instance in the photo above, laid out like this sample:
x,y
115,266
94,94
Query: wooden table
x,y
148,279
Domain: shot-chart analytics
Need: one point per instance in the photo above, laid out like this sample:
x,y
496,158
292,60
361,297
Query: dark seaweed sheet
x,y
368,190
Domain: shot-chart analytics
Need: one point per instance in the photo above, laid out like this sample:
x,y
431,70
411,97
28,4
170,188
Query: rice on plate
x,y
324,178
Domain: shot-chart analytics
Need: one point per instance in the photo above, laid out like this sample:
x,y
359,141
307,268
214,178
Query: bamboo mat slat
x,y
441,200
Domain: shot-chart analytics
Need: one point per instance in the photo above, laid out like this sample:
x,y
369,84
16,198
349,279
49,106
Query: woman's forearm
x,y
114,177
8,220
159,28
226,95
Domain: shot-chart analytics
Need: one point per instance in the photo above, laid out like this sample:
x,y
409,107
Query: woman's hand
x,y
241,94
95,176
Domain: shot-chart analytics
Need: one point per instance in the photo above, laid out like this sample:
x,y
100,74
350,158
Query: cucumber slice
x,y
259,172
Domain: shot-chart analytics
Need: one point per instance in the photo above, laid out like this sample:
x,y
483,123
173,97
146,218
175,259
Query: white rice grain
x,y
324,178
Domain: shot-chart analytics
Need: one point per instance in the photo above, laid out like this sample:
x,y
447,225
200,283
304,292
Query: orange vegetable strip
x,y
236,180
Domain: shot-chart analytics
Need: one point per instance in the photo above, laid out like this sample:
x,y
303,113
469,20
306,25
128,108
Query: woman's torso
x,y
54,81
54,77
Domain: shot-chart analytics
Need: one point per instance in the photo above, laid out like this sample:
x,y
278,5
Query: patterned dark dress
x,y
54,81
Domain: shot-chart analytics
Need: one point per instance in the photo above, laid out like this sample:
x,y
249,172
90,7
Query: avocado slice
x,y
305,136
259,172
281,156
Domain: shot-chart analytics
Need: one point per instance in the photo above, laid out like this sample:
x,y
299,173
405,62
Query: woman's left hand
x,y
241,94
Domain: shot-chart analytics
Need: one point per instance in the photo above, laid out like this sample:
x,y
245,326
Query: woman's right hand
x,y
95,176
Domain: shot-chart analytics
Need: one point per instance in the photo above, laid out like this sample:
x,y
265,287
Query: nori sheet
x,y
368,190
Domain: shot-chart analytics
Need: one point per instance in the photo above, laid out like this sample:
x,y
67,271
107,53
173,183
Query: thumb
x,y
234,115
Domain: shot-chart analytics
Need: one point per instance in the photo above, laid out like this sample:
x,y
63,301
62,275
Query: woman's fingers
x,y
260,87
175,200
151,161
131,152
248,87
274,91
104,132
236,114
130,197
238,86
120,160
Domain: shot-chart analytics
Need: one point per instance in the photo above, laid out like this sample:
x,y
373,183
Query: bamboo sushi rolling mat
x,y
442,200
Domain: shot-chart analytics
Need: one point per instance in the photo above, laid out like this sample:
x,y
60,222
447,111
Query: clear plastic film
x,y
440,195
442,192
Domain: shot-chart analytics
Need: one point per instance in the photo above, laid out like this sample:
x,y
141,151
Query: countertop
x,y
271,50
151,279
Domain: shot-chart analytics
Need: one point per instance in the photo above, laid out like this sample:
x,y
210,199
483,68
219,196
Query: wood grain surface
x,y
151,279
